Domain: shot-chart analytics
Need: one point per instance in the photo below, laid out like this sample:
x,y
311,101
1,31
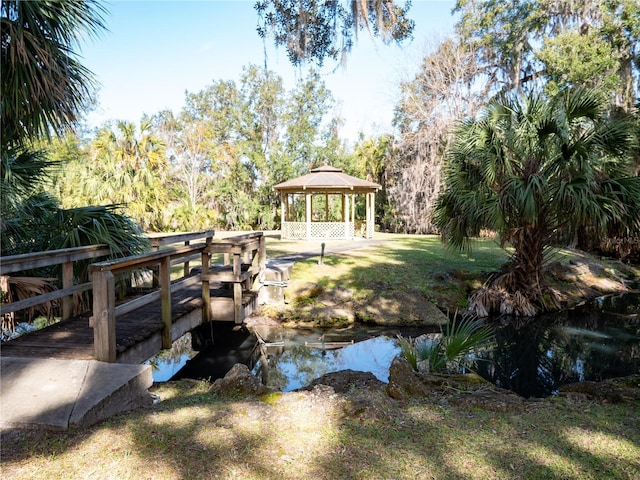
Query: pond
x,y
593,342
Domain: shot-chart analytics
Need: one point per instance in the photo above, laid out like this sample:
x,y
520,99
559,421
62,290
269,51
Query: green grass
x,y
420,263
417,262
193,435
407,258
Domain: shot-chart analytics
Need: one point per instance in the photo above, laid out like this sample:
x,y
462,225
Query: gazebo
x,y
327,204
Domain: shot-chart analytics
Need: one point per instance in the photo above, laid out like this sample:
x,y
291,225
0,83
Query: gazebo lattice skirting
x,y
324,205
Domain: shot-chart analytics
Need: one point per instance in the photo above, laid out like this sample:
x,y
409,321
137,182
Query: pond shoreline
x,y
577,281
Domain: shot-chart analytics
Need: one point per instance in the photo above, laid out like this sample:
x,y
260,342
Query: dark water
x,y
593,342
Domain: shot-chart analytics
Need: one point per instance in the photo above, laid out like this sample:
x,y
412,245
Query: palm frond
x,y
44,86
459,340
463,337
21,288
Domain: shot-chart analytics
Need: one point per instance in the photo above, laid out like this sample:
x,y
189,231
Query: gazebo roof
x,y
327,178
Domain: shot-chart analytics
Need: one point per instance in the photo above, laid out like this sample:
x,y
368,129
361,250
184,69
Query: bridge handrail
x,y
159,239
133,262
63,256
29,261
105,312
44,298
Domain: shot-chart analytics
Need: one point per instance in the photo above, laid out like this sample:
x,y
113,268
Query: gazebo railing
x,y
317,230
294,230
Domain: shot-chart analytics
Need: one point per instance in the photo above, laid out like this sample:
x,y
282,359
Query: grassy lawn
x,y
418,263
390,267
191,434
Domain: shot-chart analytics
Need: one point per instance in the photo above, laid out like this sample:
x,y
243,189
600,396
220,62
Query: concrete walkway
x,y
58,394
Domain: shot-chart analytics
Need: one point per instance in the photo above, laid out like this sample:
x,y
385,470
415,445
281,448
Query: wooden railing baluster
x,y
67,282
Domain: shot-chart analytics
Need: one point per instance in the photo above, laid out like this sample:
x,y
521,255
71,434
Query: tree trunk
x,y
528,261
519,289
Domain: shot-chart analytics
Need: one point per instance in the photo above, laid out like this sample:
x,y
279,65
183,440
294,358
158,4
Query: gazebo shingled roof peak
x,y
326,168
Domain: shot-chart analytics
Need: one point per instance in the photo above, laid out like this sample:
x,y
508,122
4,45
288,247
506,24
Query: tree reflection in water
x,y
592,342
168,362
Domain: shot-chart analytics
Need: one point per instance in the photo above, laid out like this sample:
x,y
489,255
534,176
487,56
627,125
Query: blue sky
x,y
156,50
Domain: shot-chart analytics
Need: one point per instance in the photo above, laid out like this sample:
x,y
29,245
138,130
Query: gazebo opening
x,y
327,204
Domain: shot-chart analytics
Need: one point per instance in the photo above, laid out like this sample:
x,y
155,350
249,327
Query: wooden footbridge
x,y
135,327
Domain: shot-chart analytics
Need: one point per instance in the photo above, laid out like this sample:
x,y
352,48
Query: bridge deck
x,y
73,338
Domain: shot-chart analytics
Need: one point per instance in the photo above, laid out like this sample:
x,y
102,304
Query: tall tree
x,y
440,94
241,138
189,154
261,130
129,169
521,44
239,124
308,105
536,171
319,30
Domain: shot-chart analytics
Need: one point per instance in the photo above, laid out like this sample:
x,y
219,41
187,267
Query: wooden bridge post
x,y
186,264
206,292
165,299
155,273
262,253
67,282
237,289
104,316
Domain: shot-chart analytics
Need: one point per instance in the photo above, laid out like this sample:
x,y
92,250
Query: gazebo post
x,y
307,204
371,204
284,213
353,211
367,214
345,214
326,207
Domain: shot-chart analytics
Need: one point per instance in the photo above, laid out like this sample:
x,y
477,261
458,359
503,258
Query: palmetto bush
x,y
539,172
447,352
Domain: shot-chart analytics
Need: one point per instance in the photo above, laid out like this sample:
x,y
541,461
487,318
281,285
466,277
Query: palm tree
x,y
44,87
129,169
535,172
32,219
